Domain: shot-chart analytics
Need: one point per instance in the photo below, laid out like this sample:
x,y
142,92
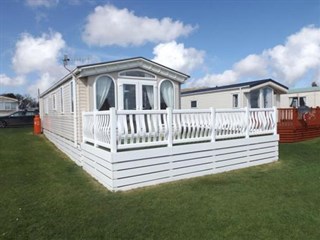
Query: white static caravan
x,y
121,122
8,105
255,94
300,97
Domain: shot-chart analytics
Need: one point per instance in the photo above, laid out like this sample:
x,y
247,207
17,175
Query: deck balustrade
x,y
132,129
296,125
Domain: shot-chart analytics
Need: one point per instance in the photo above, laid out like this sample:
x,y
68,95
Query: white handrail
x,y
127,129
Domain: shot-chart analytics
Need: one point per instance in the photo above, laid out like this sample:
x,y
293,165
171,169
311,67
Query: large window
x,y
261,98
254,99
267,97
147,97
166,95
235,100
8,105
297,101
105,96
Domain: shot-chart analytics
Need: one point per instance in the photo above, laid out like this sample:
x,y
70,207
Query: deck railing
x,y
293,118
127,129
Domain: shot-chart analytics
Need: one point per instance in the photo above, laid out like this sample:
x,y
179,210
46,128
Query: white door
x,y
136,95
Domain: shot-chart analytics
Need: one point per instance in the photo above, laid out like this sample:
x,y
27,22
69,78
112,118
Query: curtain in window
x,y
254,99
166,91
149,90
302,102
267,97
103,85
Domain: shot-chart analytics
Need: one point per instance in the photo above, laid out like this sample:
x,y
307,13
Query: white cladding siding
x,y
53,120
221,99
82,105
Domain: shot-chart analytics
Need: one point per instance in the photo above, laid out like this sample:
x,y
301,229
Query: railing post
x,y
95,129
295,117
170,130
113,130
275,119
83,126
247,122
213,124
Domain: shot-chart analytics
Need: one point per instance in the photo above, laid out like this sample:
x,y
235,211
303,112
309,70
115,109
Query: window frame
x,y
235,96
95,91
159,93
298,101
196,103
153,77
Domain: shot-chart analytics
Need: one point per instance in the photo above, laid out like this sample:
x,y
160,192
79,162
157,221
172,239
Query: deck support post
x,y
170,124
275,119
113,130
95,128
247,119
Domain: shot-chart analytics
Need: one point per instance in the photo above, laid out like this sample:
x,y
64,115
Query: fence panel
x,y
191,125
230,123
262,121
141,128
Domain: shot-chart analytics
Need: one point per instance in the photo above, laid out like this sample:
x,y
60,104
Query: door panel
x,y
129,97
136,94
147,97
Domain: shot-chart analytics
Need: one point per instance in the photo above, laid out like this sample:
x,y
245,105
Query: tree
x,y
26,101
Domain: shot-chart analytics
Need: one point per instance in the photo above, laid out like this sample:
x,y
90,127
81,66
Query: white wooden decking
x,y
129,149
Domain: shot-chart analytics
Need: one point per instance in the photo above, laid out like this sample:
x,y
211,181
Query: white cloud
x,y
7,81
252,65
42,3
39,56
37,53
299,55
108,25
178,57
288,63
44,82
209,80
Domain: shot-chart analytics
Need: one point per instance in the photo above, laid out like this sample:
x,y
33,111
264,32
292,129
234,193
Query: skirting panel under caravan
x,y
65,146
138,168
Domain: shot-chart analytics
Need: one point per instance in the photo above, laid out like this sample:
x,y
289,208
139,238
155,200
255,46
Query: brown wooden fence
x,y
296,125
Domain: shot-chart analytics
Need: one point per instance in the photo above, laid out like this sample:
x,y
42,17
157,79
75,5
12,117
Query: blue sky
x,y
216,42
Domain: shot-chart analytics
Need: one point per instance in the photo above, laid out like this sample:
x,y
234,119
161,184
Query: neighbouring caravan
x,y
8,105
255,94
300,97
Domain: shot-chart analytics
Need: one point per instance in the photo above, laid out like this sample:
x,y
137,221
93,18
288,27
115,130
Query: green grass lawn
x,y
44,195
